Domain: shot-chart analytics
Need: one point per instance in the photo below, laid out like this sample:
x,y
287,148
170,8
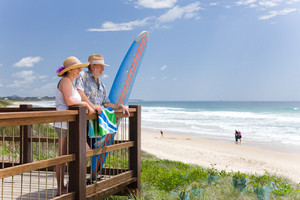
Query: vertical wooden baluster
x,y
77,146
135,151
31,156
55,153
47,156
21,157
67,164
3,146
39,158
13,163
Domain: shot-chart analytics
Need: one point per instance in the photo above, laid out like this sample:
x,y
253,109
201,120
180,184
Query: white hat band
x,y
97,62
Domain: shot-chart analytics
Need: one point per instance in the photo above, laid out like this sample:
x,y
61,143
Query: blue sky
x,y
197,50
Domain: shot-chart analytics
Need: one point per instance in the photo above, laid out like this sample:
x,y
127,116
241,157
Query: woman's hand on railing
x,y
90,109
98,108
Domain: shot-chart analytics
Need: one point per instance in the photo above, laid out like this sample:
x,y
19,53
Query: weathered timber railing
x,y
29,154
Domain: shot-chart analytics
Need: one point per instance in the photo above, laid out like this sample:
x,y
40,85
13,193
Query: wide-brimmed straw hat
x,y
97,59
70,63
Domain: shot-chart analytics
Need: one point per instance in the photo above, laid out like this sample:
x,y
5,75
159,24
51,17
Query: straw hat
x,y
97,59
70,63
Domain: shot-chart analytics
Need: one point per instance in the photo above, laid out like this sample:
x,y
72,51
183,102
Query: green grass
x,y
165,179
5,103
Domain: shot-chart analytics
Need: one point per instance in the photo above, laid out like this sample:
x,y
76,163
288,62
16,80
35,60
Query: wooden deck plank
x,y
43,186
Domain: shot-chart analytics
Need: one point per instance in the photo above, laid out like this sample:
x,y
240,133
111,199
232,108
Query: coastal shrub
x,y
5,103
276,185
213,171
260,181
239,182
169,175
193,179
283,189
212,175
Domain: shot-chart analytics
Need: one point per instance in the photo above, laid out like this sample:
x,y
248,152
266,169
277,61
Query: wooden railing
x,y
29,145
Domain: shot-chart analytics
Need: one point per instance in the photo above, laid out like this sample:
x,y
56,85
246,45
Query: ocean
x,y
261,123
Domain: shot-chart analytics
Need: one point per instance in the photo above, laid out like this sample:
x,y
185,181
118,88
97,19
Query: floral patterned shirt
x,y
95,92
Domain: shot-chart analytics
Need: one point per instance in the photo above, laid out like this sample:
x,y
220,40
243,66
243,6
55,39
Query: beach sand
x,y
226,156
33,103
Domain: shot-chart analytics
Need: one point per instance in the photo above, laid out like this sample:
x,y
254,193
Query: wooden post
x,y
25,142
77,146
135,151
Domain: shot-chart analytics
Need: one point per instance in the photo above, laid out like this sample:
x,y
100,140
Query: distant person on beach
x,y
238,136
67,95
161,134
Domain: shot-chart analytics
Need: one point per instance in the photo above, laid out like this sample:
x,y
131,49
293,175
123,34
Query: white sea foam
x,y
282,128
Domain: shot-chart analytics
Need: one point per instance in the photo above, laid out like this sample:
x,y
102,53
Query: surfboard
x,y
124,80
121,89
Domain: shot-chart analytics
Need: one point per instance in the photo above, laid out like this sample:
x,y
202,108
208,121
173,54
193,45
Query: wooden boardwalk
x,y
25,142
34,185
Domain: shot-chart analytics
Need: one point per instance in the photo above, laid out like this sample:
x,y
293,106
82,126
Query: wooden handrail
x,y
34,114
11,171
26,116
110,148
107,183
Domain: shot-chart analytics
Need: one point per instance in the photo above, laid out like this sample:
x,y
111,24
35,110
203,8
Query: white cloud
x,y
164,78
155,4
49,86
27,77
1,65
127,26
24,75
28,62
292,1
163,67
268,3
276,13
189,11
43,77
18,83
174,79
46,90
152,78
253,6
245,2
213,4
1,85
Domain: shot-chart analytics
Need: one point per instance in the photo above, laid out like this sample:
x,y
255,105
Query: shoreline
x,y
34,103
257,144
246,158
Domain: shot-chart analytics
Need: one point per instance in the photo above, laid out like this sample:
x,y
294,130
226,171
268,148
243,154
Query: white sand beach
x,y
226,156
33,103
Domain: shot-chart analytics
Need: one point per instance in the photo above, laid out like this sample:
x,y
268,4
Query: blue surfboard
x,y
121,89
128,70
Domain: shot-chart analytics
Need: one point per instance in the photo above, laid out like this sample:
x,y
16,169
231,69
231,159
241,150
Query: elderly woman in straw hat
x,y
67,95
92,89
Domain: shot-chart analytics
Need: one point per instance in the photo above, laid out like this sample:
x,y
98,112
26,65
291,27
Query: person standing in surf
x,y
236,135
240,136
67,95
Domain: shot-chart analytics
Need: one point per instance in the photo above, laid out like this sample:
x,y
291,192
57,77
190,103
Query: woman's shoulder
x,y
64,82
